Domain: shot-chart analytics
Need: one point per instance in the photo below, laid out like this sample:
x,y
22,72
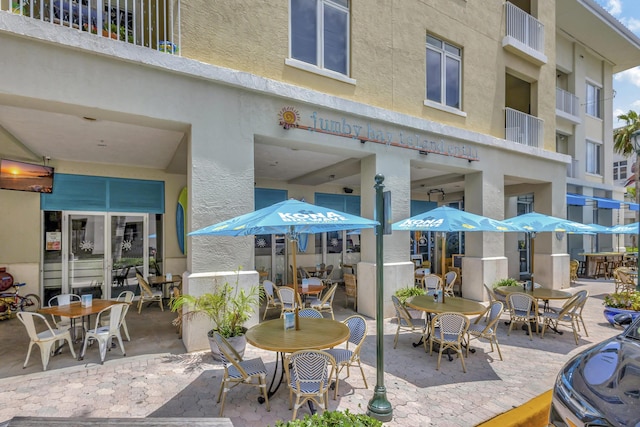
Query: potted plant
x,y
228,307
404,294
621,302
506,282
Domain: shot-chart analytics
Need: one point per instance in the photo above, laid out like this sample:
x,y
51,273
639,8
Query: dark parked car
x,y
601,385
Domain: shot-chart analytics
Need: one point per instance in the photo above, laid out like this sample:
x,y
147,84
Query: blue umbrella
x,y
446,219
291,217
625,229
534,222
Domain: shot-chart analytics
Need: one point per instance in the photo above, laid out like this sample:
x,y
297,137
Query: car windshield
x,y
633,331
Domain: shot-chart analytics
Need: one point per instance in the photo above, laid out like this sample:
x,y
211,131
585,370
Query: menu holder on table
x,y
86,300
289,321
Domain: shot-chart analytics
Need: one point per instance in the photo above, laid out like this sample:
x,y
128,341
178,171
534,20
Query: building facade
x,y
454,104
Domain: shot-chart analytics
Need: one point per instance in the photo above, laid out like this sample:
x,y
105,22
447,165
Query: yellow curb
x,y
534,413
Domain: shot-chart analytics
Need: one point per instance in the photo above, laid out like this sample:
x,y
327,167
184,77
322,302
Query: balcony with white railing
x,y
524,35
154,24
567,106
572,169
523,128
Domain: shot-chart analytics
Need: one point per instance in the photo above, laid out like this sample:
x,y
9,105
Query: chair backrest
x,y
328,297
582,298
310,313
311,372
145,289
328,271
357,330
491,293
63,299
450,278
426,264
495,311
450,324
268,286
401,312
519,301
432,281
115,316
228,354
286,295
350,285
421,271
28,319
573,267
126,296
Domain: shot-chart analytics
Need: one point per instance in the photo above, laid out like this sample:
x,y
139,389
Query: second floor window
x,y
444,71
320,33
593,157
593,101
620,170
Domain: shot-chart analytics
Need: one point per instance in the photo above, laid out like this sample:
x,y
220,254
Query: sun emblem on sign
x,y
288,117
86,245
261,243
334,242
126,245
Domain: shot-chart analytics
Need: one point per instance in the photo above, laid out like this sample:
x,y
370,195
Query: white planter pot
x,y
239,343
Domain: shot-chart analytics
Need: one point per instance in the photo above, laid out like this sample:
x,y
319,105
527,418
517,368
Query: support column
x,y
398,268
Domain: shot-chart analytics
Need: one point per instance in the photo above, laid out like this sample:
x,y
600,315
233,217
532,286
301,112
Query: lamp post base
x,y
379,407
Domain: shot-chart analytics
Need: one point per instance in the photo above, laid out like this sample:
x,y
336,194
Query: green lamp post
x,y
379,407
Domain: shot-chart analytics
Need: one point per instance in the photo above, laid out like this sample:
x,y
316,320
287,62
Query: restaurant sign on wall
x,y
289,117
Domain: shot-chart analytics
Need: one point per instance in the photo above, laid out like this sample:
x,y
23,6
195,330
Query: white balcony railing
x,y
524,28
523,128
150,23
567,102
572,168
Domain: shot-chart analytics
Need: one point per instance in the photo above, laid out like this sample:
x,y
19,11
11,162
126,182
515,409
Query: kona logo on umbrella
x,y
315,217
423,223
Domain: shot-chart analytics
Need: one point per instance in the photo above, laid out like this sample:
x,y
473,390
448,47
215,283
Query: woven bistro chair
x,y
431,282
448,331
351,289
147,294
287,297
347,357
309,374
487,331
271,300
325,305
310,312
574,265
406,322
449,282
522,308
567,315
238,371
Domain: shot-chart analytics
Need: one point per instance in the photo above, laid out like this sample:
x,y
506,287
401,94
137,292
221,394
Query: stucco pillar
x,y
484,260
398,270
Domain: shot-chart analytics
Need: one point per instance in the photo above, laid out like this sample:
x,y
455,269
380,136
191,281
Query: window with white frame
x,y
444,72
620,170
319,33
593,100
594,154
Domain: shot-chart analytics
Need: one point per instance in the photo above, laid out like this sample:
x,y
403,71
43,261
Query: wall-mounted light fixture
x,y
348,190
436,191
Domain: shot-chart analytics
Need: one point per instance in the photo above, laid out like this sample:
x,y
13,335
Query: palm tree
x,y
623,144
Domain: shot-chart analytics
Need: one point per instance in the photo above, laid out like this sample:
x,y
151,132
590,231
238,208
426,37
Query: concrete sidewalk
x,y
186,385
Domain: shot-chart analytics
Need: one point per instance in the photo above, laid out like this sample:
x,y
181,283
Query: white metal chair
x,y
60,300
448,331
239,371
309,374
46,339
103,334
125,296
522,308
488,331
406,322
347,357
272,300
147,294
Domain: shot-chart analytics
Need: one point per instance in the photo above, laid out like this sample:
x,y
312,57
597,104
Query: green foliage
x,y
229,307
627,300
506,282
404,293
333,418
622,143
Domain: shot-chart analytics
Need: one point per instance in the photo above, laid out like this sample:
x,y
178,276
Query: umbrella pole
x,y
294,248
443,254
533,251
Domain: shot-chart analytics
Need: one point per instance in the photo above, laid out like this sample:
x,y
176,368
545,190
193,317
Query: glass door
x,y
129,252
85,249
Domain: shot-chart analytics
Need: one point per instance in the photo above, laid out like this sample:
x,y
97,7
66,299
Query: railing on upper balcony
x,y
572,168
152,23
524,27
523,128
567,102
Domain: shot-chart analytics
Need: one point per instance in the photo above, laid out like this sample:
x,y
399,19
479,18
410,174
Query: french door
x,y
94,252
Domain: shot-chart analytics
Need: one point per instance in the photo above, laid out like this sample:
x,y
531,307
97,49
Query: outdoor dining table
x,y
76,310
314,334
166,282
430,306
591,257
315,271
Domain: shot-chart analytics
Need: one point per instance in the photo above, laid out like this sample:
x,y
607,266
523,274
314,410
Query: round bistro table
x,y
314,334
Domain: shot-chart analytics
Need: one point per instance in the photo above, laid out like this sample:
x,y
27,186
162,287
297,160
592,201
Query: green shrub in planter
x,y
506,282
331,419
410,291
